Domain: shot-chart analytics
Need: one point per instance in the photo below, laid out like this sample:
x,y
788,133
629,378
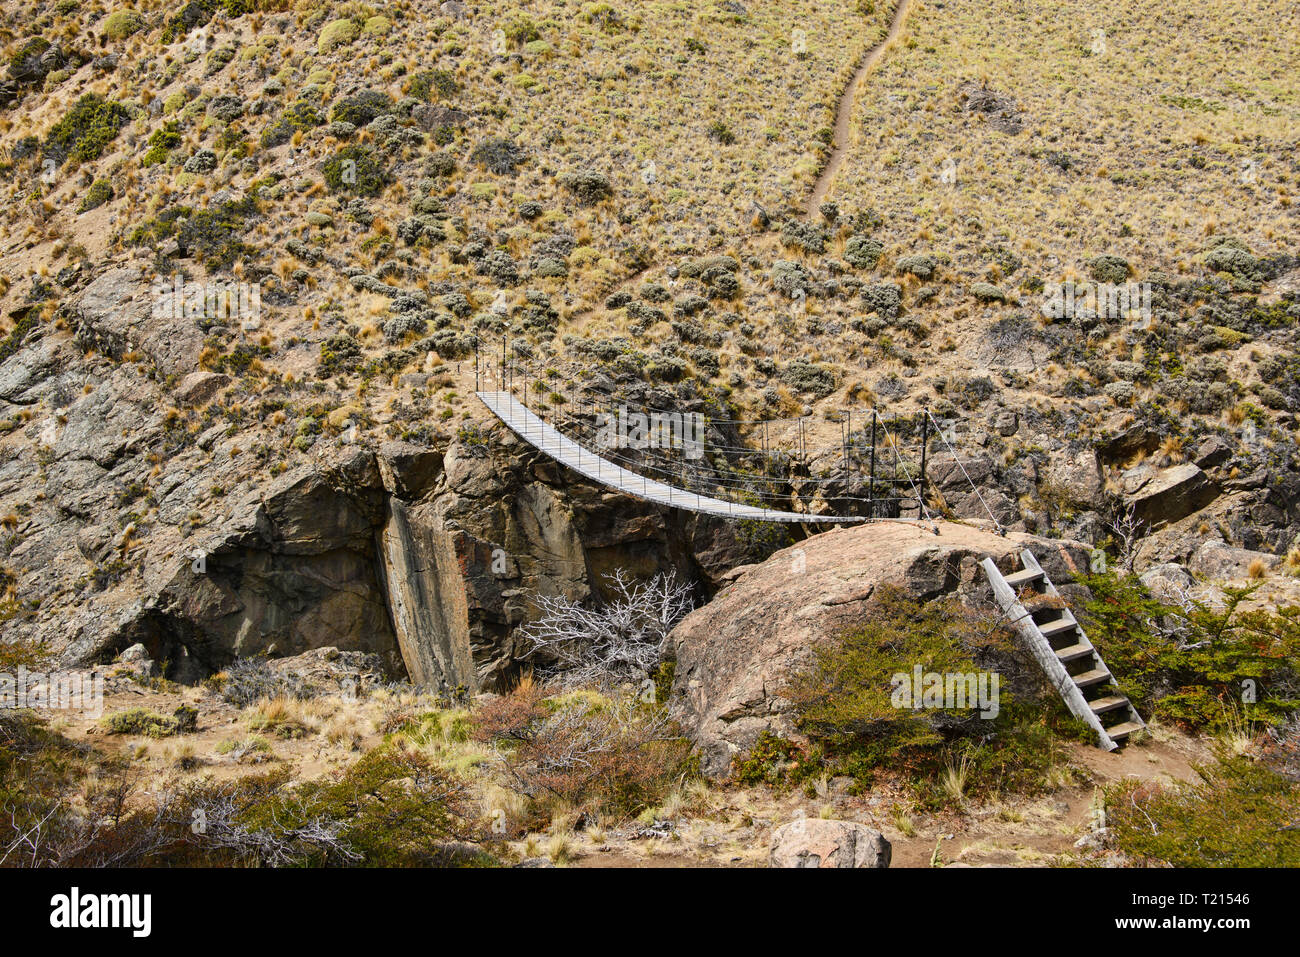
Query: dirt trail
x,y
843,128
844,115
1015,831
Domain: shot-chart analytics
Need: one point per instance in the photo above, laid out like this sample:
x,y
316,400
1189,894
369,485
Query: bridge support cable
x,y
588,452
956,458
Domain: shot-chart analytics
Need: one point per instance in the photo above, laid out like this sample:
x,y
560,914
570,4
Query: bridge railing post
x,y
925,443
871,488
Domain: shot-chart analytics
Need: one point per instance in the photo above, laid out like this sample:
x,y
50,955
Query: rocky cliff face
x,y
223,511
427,557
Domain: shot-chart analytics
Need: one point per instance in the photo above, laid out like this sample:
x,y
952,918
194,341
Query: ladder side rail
x,y
1041,649
1027,557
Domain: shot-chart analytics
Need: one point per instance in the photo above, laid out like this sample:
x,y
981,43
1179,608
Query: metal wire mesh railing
x,y
877,469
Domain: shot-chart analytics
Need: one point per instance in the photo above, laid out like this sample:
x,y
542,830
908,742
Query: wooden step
x,y
1093,676
1124,730
1023,578
1109,703
1074,651
1043,620
1056,628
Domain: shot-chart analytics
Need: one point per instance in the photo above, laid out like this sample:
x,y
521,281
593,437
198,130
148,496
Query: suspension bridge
x,y
878,472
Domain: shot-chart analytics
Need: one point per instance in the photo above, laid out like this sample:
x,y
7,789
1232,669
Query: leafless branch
x,y
618,641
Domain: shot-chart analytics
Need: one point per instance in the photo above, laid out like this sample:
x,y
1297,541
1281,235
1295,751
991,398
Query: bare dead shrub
x,y
612,643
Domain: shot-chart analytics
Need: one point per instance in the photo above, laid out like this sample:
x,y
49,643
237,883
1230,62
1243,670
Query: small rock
x,y
137,659
198,387
814,842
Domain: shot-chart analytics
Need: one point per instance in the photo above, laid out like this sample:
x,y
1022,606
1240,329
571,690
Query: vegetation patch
x,y
1192,664
150,723
1241,813
356,169
610,755
99,193
86,129
845,705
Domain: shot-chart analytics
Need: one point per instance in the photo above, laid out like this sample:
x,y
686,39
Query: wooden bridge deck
x,y
546,438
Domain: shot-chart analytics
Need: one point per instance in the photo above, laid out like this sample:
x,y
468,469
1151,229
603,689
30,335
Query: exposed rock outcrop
x,y
116,315
1165,496
428,558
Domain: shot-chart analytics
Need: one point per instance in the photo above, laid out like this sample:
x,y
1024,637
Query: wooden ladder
x,y
1058,643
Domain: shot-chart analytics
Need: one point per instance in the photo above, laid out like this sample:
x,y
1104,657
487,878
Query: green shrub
x,y
863,252
121,24
588,185
805,376
498,154
23,325
773,761
844,702
215,234
150,723
1108,268
521,29
86,129
1231,256
1196,679
808,237
25,65
434,84
161,142
392,808
360,108
355,169
719,132
1241,813
193,14
301,114
337,33
986,292
99,193
921,266
339,353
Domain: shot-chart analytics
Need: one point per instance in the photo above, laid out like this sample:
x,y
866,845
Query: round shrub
x,y
1108,268
336,34
588,185
123,23
863,252
922,267
354,169
498,154
99,193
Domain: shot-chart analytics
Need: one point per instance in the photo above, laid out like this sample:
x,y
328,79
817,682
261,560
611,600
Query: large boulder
x,y
735,654
1171,494
1217,561
814,842
1078,476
